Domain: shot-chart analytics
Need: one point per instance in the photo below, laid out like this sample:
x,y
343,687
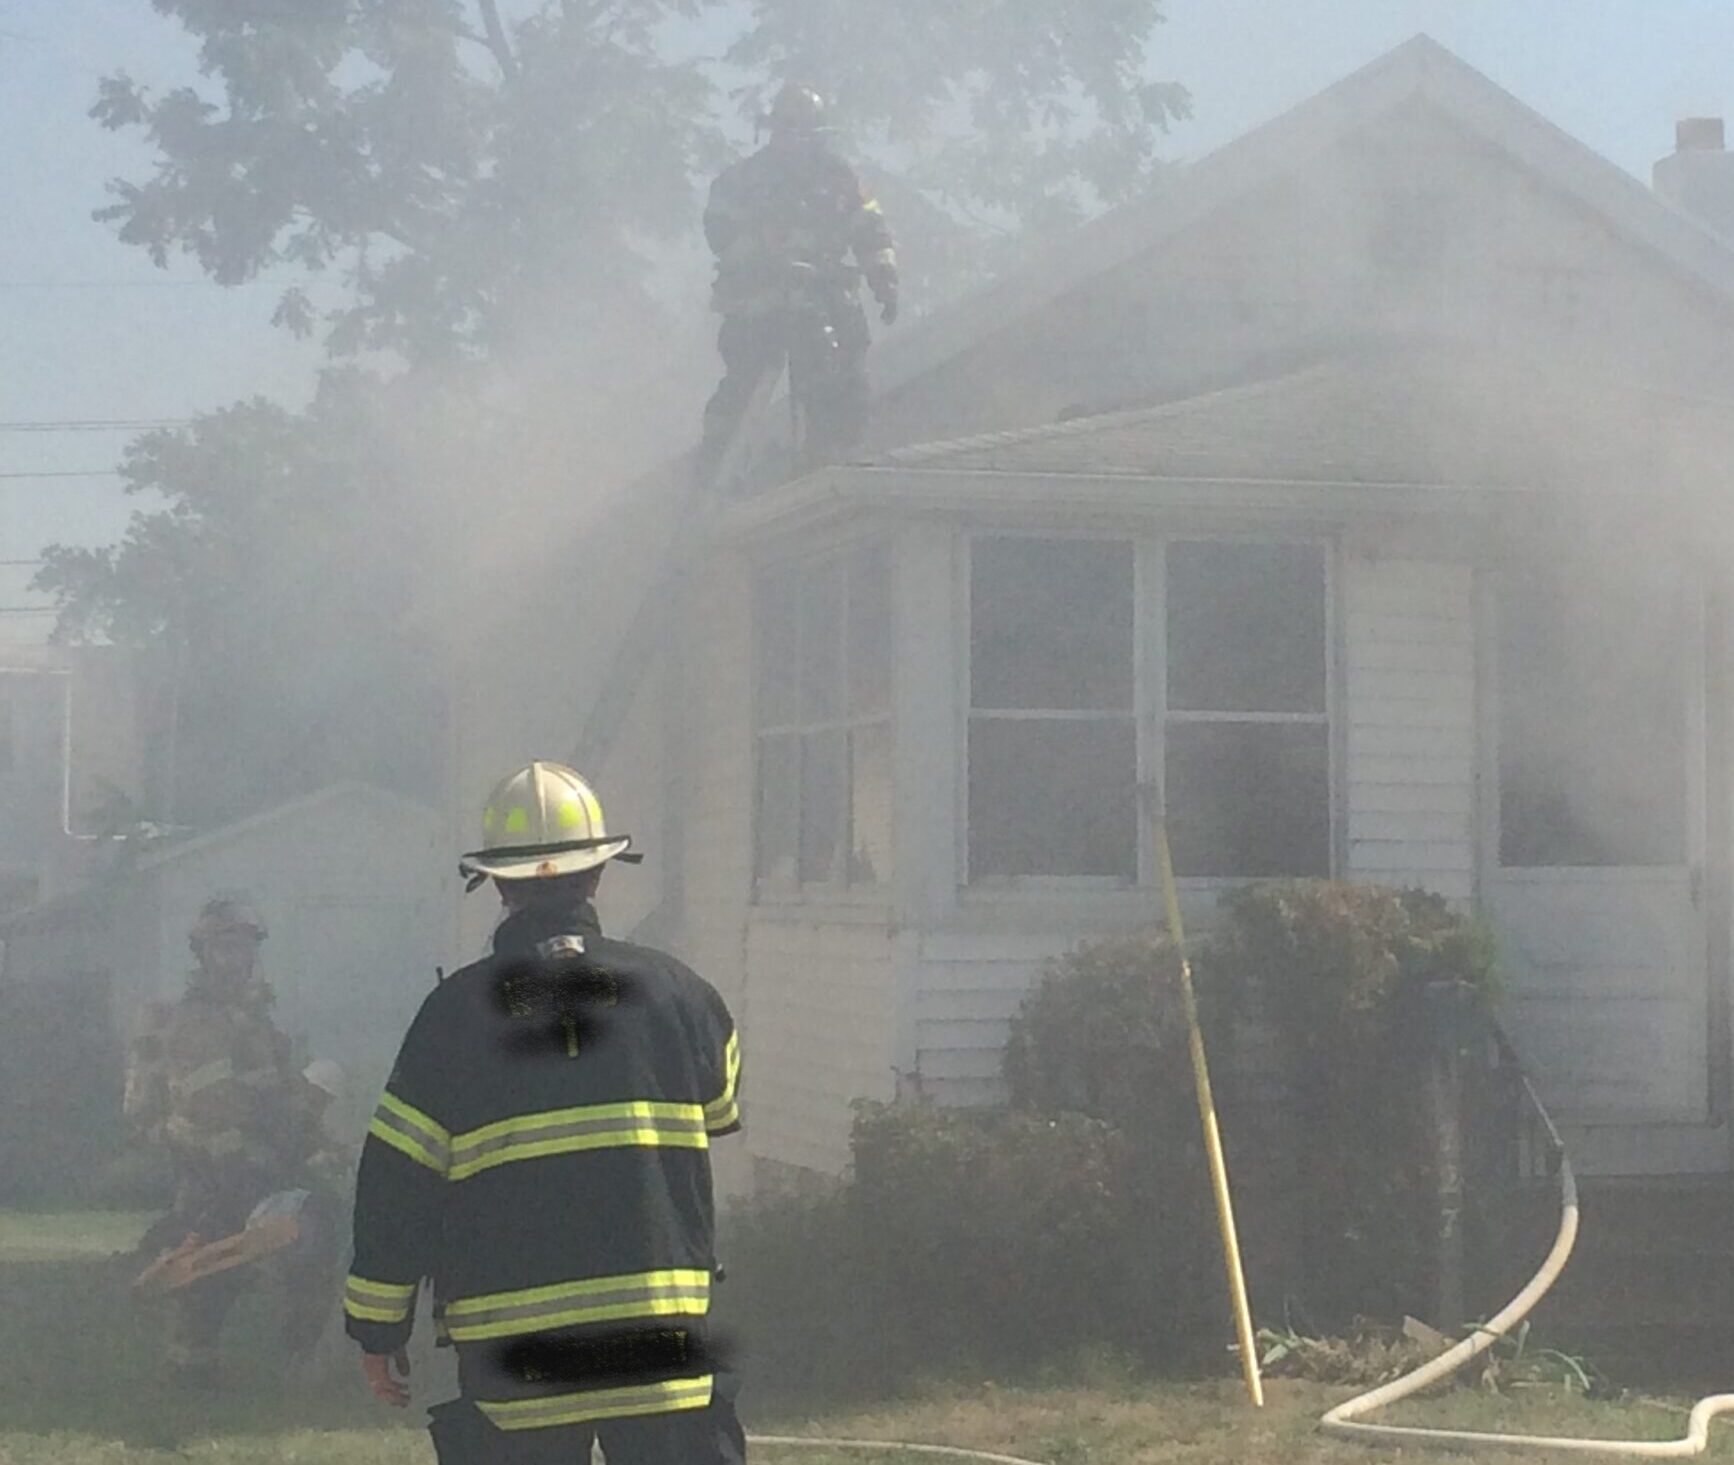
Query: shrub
x,y
1340,973
994,1237
964,1241
1104,1035
797,1313
1336,972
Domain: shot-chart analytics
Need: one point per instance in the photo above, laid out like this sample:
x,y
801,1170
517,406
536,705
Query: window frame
x,y
836,558
1150,712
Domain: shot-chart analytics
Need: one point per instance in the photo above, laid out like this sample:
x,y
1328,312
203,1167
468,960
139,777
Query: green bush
x,y
1104,1034
964,1242
1340,972
1337,972
995,1237
797,1311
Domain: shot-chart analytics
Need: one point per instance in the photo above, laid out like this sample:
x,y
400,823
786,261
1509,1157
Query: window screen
x,y
1247,768
1052,739
823,669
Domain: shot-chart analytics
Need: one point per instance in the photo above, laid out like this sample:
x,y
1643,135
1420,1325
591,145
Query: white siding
x,y
716,833
814,996
969,986
819,1032
1409,663
963,1014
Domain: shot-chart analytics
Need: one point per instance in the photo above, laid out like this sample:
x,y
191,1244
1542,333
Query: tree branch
x,y
497,42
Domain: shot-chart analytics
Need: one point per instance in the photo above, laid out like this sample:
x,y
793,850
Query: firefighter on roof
x,y
541,1153
784,224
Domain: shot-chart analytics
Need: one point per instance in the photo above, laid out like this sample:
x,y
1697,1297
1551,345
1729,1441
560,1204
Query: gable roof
x,y
349,794
1420,414
1419,68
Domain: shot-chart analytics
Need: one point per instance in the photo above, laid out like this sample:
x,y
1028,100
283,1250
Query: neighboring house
x,y
33,696
1384,529
354,883
70,749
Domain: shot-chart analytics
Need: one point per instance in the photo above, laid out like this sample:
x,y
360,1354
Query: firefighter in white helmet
x,y
541,1152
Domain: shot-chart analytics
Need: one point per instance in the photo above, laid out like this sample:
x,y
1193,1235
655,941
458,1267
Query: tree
x,y
277,592
492,182
460,179
463,166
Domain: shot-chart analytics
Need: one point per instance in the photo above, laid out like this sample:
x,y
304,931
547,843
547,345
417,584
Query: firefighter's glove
x,y
387,1376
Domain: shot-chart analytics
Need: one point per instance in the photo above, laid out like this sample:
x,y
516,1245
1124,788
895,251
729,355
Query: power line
x,y
102,424
166,285
63,473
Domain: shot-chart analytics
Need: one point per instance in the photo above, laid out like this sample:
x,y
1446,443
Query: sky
x,y
92,331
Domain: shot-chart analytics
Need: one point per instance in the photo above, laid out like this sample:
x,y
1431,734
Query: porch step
x,y
1620,1218
1614,1288
1649,1293
1680,1359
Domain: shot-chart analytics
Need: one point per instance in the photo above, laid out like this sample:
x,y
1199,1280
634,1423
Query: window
x,y
1053,765
1594,738
822,635
1247,773
1240,727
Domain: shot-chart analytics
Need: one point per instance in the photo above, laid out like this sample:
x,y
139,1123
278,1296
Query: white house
x,y
1364,491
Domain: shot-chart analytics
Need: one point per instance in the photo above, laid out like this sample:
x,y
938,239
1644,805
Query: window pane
x,y
779,776
870,805
824,787
869,631
1593,742
1246,627
1052,798
1051,624
1249,799
776,643
822,643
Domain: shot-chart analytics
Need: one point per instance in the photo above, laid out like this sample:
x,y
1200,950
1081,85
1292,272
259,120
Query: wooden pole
x,y
1212,1132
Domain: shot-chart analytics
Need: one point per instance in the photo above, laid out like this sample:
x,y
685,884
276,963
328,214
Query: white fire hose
x,y
886,1447
1346,1420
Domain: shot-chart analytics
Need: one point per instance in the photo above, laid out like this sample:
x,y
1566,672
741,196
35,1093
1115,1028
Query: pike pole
x,y
1212,1131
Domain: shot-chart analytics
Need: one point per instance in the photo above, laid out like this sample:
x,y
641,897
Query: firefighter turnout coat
x,y
787,204
541,1153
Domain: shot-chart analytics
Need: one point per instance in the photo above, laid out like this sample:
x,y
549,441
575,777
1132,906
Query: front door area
x,y
1595,857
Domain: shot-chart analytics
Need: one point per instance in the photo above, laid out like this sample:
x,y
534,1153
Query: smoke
x,y
1449,341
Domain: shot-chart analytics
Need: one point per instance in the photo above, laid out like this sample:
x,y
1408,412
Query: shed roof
x,y
349,795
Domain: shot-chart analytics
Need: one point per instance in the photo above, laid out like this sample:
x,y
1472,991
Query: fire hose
x,y
1347,1420
887,1447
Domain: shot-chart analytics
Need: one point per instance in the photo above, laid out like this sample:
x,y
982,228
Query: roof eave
x,y
836,493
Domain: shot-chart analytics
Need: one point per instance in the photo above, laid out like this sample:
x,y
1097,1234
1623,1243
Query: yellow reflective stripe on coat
x,y
409,1131
557,1409
378,1302
723,1112
678,1293
564,1131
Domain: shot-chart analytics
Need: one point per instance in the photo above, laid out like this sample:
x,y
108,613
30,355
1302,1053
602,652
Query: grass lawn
x,y
79,1386
54,1236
